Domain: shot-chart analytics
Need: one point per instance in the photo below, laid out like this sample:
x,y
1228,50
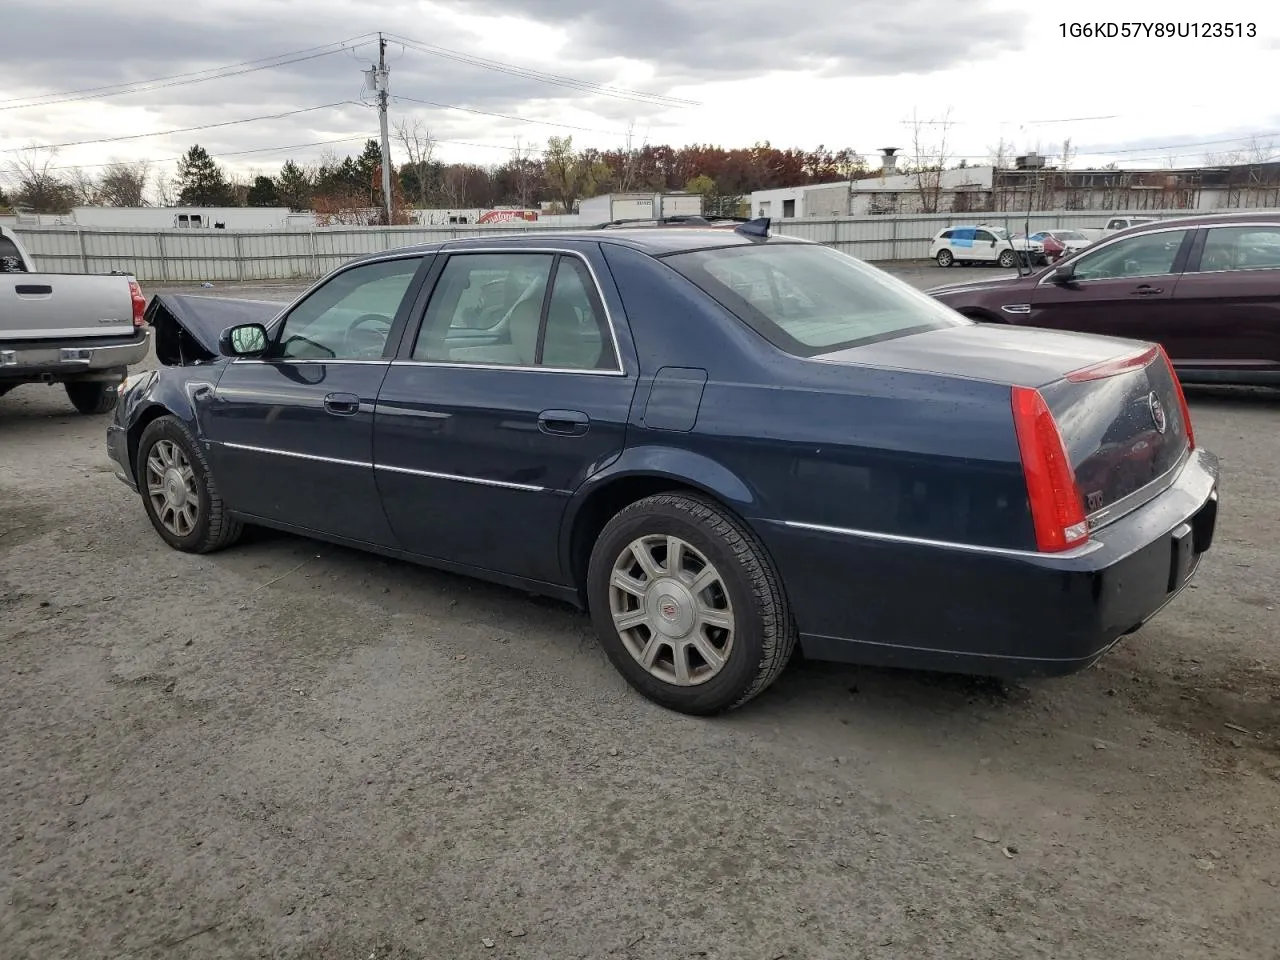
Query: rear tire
x,y
702,635
178,490
92,397
945,258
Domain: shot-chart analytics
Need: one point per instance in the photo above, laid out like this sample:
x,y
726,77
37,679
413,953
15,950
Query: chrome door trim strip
x,y
1083,550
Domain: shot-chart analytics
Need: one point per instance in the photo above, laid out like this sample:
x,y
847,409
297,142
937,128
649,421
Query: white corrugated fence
x,y
178,256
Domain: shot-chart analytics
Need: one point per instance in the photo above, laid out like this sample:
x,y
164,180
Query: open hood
x,y
187,328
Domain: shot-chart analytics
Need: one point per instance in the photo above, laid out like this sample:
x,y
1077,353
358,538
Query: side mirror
x,y
245,340
1062,275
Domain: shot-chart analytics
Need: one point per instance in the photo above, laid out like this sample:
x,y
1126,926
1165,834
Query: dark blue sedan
x,y
719,442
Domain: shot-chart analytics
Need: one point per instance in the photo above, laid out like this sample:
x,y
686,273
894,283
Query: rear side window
x,y
945,234
10,260
810,300
1241,248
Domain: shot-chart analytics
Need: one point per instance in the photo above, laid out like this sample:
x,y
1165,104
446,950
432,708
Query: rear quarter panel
x,y
834,444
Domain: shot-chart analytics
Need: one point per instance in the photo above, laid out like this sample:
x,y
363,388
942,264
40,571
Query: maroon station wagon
x,y
1206,288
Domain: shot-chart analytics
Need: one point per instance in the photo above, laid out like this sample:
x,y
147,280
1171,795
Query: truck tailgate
x,y
42,306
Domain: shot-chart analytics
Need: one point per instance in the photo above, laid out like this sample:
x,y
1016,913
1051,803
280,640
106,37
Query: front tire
x,y
687,604
179,492
92,397
945,258
1008,259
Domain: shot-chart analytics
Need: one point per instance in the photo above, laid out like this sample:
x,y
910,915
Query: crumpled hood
x,y
187,327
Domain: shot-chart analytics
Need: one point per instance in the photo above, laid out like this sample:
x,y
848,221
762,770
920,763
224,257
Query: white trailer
x,y
611,207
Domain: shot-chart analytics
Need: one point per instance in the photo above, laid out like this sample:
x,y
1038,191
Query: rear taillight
x,y
1057,509
1182,400
139,303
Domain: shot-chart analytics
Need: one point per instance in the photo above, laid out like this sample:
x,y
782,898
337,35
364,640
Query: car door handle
x,y
563,423
342,404
1147,291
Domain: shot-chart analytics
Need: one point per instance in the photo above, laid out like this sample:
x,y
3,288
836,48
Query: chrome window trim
x,y
1232,226
1083,550
338,461
1102,245
595,279
507,368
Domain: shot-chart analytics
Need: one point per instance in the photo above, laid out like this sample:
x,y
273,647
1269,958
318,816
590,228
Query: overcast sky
x,y
794,72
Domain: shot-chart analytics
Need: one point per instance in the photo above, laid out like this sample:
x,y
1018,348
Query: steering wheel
x,y
374,342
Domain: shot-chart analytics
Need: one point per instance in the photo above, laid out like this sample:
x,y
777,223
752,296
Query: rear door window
x,y
1241,248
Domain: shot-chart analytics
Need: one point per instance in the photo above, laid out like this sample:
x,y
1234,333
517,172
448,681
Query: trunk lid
x,y
61,306
1124,433
1116,402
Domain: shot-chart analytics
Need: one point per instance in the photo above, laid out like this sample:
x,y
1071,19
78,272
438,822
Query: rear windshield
x,y
808,299
1068,235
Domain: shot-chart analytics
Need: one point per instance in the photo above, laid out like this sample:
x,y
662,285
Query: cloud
x,y
724,39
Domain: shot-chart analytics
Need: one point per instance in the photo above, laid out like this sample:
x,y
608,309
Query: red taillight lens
x,y
139,303
1182,400
1057,509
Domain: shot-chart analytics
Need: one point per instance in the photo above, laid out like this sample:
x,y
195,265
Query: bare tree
x,y
164,192
418,143
124,184
456,181
36,183
522,166
930,153
1067,156
1258,150
82,188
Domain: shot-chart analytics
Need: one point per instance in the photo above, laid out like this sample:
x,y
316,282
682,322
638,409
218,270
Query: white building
x,y
887,193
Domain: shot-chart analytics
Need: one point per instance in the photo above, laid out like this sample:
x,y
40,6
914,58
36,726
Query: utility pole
x,y
381,85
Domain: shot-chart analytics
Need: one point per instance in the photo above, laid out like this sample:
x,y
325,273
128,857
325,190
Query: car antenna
x,y
759,227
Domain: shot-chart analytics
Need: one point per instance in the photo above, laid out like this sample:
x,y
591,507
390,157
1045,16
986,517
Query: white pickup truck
x,y
82,331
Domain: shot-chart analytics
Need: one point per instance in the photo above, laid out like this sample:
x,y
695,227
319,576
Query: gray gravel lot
x,y
293,750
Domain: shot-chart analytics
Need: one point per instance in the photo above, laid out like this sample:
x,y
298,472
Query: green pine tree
x,y
201,182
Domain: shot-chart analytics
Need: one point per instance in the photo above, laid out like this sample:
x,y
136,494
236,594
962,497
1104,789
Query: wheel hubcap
x,y
671,610
171,488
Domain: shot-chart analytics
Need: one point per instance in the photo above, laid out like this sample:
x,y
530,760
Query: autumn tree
x,y
201,182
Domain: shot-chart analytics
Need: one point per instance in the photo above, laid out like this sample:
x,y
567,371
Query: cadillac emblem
x,y
1157,413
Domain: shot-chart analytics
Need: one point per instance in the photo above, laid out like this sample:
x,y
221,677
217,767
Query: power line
x,y
219,154
203,126
181,79
505,116
529,73
176,83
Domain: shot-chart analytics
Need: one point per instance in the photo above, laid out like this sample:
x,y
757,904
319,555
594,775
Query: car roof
x,y
655,241
1197,220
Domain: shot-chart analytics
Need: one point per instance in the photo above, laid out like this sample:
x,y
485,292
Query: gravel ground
x,y
292,750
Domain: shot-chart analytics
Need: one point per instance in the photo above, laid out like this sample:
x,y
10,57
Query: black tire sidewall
x,y
729,686
169,428
91,397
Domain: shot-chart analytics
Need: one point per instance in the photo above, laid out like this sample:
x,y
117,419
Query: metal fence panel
x,y
192,256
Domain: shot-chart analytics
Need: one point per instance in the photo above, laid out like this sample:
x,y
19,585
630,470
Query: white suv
x,y
983,244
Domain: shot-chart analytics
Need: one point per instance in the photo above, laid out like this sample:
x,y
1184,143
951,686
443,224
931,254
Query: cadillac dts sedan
x,y
721,443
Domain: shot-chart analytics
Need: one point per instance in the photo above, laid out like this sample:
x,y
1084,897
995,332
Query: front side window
x,y
983,236
808,299
1146,255
349,317
1241,248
